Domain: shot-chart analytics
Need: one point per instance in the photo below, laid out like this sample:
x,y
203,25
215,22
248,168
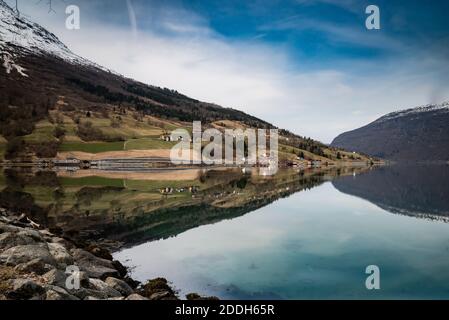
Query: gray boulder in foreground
x,y
37,266
58,293
37,260
24,289
119,285
94,267
26,253
99,285
60,254
136,296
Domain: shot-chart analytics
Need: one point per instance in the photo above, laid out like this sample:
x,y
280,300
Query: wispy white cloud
x,y
132,17
336,33
349,5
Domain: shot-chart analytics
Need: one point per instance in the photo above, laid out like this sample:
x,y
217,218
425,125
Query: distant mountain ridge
x,y
416,134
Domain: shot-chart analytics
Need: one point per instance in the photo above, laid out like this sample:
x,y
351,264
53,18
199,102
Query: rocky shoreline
x,y
36,264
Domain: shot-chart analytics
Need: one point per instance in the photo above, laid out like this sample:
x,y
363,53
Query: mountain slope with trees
x,y
54,100
418,134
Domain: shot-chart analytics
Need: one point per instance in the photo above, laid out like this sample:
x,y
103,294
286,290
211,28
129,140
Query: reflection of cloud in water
x,y
235,292
232,291
293,245
205,260
208,286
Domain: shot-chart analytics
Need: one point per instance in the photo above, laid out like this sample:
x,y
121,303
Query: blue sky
x,y
310,66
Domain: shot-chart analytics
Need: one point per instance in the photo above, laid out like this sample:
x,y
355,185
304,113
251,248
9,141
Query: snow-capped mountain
x,y
37,69
19,36
444,107
417,134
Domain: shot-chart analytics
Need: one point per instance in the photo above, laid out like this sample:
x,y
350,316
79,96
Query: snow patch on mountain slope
x,y
10,65
20,36
444,107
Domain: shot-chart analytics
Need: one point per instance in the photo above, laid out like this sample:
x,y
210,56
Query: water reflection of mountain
x,y
227,200
128,212
419,191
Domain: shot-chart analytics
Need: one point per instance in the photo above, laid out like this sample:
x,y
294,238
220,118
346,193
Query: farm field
x,y
148,144
92,147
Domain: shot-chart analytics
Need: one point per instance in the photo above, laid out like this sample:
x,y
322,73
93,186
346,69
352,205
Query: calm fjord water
x,y
297,235
316,244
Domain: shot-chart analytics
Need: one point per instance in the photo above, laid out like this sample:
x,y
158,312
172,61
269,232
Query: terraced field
x,y
143,134
157,185
92,147
92,181
43,132
110,134
147,144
